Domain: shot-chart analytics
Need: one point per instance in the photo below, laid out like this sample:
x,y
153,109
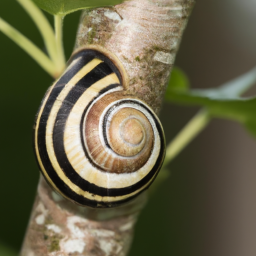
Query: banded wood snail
x,y
95,144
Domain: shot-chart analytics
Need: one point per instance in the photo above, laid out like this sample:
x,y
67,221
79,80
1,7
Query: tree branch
x,y
145,36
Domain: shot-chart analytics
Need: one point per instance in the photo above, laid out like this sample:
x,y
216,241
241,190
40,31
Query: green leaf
x,y
223,101
178,80
63,7
6,251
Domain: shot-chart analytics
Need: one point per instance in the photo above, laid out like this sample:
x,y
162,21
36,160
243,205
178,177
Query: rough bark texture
x,y
58,227
145,36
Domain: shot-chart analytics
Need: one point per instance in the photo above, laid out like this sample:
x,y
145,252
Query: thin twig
x,y
28,47
58,22
186,135
44,27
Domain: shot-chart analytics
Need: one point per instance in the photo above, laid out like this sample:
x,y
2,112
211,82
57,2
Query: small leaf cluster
x,y
222,102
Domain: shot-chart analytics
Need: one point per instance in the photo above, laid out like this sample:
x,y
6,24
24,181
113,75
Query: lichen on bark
x,y
144,35
62,228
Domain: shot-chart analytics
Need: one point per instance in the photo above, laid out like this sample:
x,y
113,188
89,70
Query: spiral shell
x,y
96,145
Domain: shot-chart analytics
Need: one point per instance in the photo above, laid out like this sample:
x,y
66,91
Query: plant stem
x,y
28,47
44,27
58,21
186,135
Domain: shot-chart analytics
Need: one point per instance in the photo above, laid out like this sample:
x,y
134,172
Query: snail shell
x,y
96,145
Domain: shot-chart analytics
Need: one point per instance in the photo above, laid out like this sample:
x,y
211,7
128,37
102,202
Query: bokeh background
x,y
207,206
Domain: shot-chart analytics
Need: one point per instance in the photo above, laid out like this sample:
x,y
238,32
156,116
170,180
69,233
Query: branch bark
x,y
145,36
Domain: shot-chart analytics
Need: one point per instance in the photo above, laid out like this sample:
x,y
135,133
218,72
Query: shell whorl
x,y
94,144
118,133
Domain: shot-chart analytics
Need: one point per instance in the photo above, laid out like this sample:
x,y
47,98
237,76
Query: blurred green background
x,y
207,206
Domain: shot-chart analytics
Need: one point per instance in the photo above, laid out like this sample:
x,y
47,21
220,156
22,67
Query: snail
x,y
95,144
